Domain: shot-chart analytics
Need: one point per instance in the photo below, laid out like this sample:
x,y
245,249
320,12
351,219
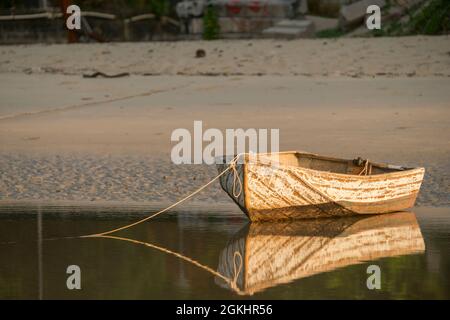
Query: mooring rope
x,y
231,166
367,170
236,179
232,282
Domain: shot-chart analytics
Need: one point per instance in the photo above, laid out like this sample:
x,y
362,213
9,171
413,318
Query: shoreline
x,y
191,208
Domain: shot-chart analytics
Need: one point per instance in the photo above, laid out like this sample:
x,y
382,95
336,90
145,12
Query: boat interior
x,y
356,166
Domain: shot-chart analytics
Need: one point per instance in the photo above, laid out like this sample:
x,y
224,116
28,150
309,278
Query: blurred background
x,y
36,21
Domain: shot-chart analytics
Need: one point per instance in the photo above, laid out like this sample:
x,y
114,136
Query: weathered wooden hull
x,y
264,255
274,192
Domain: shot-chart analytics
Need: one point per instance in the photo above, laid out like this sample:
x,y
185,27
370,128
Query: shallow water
x,y
303,260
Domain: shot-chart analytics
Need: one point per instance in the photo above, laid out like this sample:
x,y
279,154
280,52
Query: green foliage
x,y
379,33
159,8
431,19
211,27
434,18
330,33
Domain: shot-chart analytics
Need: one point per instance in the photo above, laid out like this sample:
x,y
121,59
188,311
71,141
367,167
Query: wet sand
x,y
67,138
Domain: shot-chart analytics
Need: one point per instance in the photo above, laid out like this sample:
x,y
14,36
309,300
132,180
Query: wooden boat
x,y
264,255
290,185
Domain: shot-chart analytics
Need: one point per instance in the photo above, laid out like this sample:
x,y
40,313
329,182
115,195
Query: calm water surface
x,y
321,259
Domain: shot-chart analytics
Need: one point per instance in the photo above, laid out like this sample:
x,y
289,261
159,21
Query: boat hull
x,y
288,192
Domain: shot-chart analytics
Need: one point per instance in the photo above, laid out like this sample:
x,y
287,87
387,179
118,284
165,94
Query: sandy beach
x,y
68,138
414,56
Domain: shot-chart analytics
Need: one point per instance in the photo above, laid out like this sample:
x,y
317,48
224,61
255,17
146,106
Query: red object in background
x,y
71,34
234,7
255,6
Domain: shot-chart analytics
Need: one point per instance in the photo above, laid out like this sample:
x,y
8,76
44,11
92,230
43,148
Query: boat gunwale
x,y
399,173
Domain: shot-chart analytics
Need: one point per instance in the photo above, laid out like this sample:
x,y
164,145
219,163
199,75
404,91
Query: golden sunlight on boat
x,y
293,185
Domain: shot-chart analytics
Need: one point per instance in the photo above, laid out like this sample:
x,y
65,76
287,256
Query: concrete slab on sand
x,y
322,23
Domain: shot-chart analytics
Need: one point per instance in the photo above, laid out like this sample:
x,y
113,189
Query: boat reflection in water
x,y
263,255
